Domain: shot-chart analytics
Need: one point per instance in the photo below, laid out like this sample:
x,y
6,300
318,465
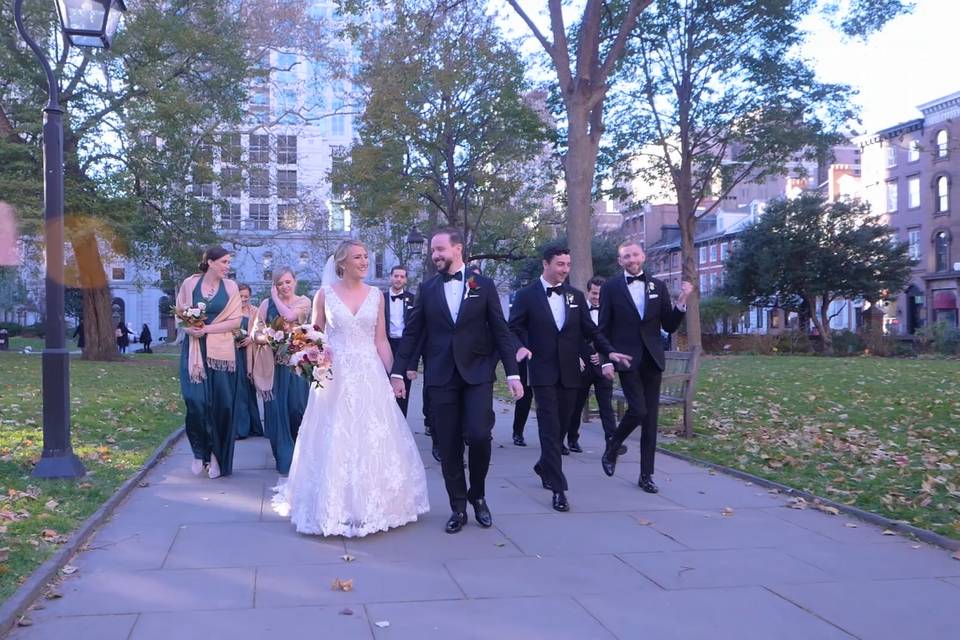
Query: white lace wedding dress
x,y
356,469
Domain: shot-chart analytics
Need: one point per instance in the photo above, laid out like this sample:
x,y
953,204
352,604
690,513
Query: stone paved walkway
x,y
186,558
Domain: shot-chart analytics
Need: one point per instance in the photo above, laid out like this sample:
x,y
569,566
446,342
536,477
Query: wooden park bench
x,y
678,387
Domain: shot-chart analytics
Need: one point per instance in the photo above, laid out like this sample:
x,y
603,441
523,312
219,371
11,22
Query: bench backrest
x,y
680,370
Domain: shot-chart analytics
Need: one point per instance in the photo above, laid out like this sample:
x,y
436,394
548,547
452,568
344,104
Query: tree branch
x,y
616,50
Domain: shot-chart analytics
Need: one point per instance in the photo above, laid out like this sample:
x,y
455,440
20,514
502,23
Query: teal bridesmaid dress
x,y
209,422
247,414
282,414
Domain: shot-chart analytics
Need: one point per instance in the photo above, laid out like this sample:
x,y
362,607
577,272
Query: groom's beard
x,y
443,266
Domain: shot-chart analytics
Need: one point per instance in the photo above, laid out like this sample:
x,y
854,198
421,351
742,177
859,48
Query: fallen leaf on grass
x,y
48,534
85,485
726,511
51,505
342,585
798,503
69,569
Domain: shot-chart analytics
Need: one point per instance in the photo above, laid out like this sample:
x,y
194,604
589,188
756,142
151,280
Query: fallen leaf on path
x,y
888,532
826,509
644,522
24,622
850,525
143,484
726,511
346,612
342,585
69,569
53,595
383,624
956,556
798,503
347,558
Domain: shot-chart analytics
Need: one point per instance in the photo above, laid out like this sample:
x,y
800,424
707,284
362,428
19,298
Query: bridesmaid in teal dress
x,y
285,396
247,414
208,364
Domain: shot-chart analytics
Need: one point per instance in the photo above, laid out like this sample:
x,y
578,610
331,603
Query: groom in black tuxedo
x,y
552,322
459,322
634,306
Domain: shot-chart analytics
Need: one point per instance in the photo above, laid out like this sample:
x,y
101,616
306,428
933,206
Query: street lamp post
x,y
89,23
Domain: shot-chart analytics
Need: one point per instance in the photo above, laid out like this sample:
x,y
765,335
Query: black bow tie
x,y
554,290
447,277
394,298
593,308
631,279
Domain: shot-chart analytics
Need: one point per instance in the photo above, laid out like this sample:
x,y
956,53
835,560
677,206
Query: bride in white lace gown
x,y
356,469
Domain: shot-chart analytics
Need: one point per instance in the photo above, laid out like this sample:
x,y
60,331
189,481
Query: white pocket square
x,y
574,306
654,295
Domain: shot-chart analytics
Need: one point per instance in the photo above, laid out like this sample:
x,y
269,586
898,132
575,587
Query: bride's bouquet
x,y
308,354
191,316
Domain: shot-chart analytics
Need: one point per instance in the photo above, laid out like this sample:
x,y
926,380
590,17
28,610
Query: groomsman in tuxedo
x,y
552,322
398,304
459,322
634,307
593,377
521,408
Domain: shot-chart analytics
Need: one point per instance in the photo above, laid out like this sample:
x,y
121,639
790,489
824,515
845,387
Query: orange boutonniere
x,y
472,283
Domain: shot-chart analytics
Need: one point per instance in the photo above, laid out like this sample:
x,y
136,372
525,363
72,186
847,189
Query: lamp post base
x,y
59,466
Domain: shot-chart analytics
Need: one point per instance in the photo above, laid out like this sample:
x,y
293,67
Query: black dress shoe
x,y
427,431
481,512
560,502
519,441
574,446
647,484
609,460
564,451
539,471
456,522
622,450
436,453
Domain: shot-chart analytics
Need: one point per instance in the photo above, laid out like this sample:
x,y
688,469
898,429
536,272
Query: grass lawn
x,y
121,412
882,434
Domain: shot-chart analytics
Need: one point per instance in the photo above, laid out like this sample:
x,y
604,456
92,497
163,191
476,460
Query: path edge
x,y
21,600
924,535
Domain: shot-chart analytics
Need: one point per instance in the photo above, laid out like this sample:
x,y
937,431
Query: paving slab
x,y
578,533
748,613
553,618
883,609
254,624
723,568
80,628
526,576
879,561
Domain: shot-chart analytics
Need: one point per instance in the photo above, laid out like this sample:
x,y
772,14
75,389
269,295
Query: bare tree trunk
x,y
688,256
824,326
98,334
580,165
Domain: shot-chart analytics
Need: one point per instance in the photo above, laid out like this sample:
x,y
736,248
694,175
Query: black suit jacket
x,y
472,345
620,321
408,301
556,352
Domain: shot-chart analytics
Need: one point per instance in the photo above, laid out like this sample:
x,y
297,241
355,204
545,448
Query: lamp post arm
x,y
53,90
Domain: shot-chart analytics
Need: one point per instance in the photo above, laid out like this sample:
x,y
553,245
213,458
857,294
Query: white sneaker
x,y
213,471
196,467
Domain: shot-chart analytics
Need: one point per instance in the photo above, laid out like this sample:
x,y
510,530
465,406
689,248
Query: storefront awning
x,y
944,300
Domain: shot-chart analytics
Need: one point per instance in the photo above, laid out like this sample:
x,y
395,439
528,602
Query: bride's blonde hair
x,y
340,255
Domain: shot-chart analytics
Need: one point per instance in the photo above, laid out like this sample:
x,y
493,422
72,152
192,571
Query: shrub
x,y
847,343
941,338
12,328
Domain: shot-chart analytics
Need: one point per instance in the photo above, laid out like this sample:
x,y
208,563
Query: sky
x,y
908,63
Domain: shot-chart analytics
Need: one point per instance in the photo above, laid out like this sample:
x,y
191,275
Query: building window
x,y
674,261
259,149
713,252
304,259
286,67
268,266
118,273
942,194
230,216
713,281
286,183
337,217
231,182
943,143
287,218
378,265
259,216
703,283
892,196
231,151
941,251
913,152
260,103
703,255
259,183
891,156
913,192
201,184
723,251
286,149
913,243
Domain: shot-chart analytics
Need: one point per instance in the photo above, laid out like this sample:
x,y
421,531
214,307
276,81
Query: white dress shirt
x,y
557,307
637,293
397,308
453,290
595,316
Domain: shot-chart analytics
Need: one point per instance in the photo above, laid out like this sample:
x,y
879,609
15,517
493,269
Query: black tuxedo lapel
x,y
386,310
442,293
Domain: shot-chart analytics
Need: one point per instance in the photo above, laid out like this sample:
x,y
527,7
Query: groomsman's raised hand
x,y
524,354
685,290
516,389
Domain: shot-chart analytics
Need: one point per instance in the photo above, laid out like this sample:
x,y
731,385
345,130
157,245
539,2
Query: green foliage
x,y
448,128
810,250
720,310
604,253
940,337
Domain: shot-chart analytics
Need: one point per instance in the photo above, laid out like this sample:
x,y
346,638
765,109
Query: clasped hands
x,y
619,358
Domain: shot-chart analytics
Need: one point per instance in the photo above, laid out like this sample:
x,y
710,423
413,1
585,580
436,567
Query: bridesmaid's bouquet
x,y
239,335
191,316
277,337
308,354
